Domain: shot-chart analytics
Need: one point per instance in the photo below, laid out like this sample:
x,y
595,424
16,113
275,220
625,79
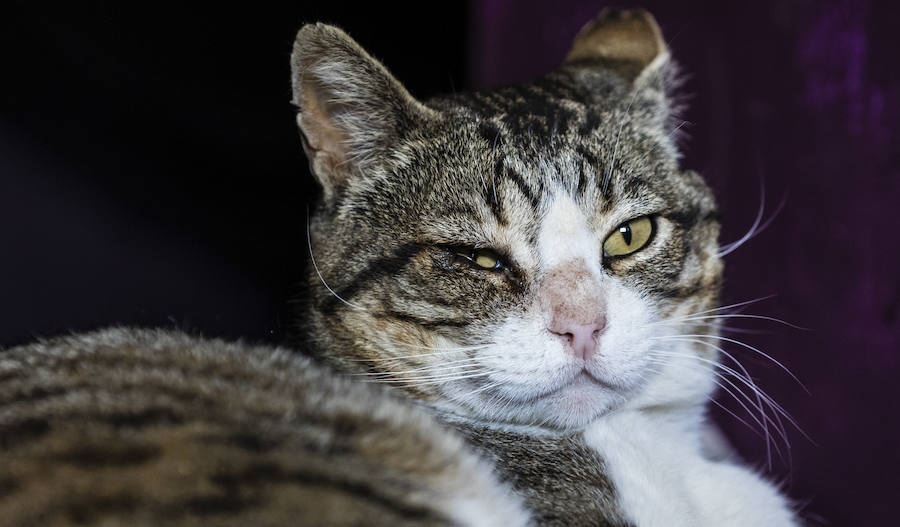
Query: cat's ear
x,y
626,41
350,108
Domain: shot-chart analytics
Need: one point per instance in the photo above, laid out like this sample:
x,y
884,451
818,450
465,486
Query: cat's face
x,y
517,255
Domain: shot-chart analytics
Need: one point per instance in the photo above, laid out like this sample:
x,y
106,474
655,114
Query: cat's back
x,y
135,427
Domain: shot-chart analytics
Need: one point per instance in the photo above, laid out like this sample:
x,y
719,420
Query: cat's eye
x,y
482,258
628,238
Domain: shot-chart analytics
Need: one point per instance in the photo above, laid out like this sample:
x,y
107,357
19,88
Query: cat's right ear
x,y
351,110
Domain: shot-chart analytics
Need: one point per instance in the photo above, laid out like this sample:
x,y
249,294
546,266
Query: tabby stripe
x,y
8,485
489,131
118,455
131,361
430,324
690,218
503,171
377,268
592,122
24,431
246,441
492,197
268,473
582,180
35,394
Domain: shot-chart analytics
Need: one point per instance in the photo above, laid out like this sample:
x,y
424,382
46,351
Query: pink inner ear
x,y
324,137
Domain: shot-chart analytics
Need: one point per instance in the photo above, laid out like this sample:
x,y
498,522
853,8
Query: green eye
x,y
628,237
483,258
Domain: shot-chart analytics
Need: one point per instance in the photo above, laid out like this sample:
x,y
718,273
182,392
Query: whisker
x,y
426,380
746,375
732,414
729,315
607,176
778,409
756,228
442,351
761,396
483,388
729,247
721,308
764,419
747,346
446,366
438,348
747,380
743,405
316,267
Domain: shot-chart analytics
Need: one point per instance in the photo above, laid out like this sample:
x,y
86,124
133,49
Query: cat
x,y
533,264
509,299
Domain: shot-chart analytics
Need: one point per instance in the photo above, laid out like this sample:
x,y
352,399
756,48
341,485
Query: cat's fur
x,y
541,173
130,427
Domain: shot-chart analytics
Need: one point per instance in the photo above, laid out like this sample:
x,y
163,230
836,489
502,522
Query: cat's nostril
x,y
582,340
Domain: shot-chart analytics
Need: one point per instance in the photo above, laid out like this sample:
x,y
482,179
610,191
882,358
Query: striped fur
x,y
540,173
129,427
484,415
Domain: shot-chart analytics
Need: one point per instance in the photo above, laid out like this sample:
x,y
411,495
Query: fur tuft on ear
x,y
627,41
351,109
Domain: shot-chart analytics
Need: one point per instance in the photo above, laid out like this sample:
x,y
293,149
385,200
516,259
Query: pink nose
x,y
582,338
576,307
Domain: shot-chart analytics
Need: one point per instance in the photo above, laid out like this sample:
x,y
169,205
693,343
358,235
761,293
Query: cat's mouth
x,y
587,375
582,382
586,378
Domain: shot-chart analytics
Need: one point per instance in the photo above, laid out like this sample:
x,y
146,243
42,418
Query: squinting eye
x,y
483,258
628,237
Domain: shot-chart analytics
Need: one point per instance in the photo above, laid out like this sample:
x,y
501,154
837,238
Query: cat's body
x,y
529,266
145,428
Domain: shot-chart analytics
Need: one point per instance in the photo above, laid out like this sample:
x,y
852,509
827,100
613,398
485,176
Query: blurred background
x,y
151,174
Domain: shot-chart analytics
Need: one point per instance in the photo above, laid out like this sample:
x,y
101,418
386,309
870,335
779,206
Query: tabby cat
x,y
523,273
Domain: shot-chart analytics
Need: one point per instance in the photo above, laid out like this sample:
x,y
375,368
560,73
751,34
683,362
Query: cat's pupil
x,y
625,231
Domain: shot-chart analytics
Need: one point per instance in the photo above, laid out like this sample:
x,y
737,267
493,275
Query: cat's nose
x,y
582,339
576,307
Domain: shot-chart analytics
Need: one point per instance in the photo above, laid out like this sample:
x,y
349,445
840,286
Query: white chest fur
x,y
663,480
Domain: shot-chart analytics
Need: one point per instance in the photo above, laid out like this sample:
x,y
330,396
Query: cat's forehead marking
x,y
565,235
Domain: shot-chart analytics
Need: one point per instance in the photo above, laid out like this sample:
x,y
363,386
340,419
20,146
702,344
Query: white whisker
x,y
316,267
434,379
764,419
738,315
749,347
761,397
756,227
444,366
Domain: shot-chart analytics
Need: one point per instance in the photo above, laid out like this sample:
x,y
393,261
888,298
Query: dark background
x,y
151,174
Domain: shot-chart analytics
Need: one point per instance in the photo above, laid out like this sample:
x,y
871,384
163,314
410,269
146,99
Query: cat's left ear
x,y
352,110
627,42
629,45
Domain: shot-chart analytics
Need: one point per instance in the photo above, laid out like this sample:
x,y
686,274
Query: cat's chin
x,y
577,403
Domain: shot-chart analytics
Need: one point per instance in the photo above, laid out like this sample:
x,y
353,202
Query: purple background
x,y
803,97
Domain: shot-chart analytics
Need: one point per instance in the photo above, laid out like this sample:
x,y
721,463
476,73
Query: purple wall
x,y
803,97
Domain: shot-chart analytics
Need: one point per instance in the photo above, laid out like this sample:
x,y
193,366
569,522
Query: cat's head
x,y
519,254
